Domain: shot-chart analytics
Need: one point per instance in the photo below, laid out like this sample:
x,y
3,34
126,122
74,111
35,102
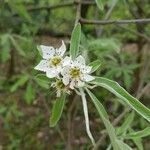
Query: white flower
x,y
76,73
52,60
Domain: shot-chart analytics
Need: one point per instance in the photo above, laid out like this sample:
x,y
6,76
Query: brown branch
x,y
78,11
108,22
51,7
66,4
57,6
45,31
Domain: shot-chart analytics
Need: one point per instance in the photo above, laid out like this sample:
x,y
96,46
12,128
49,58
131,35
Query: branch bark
x,y
108,22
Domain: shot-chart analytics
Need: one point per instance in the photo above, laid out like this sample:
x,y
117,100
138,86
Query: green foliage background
x,y
26,96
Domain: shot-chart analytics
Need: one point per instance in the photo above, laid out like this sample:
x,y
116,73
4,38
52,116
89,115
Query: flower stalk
x,y
85,109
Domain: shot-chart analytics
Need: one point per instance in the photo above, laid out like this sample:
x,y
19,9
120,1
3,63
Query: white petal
x,y
42,66
86,69
87,78
59,68
79,61
58,93
66,61
72,84
51,73
80,83
61,50
66,80
47,51
65,71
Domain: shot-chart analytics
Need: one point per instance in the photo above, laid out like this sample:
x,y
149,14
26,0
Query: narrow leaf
x,y
85,109
29,94
75,41
17,46
99,4
139,134
121,93
95,65
42,81
137,141
126,124
104,116
123,146
20,82
57,110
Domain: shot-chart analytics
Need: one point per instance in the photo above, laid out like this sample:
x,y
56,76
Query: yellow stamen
x,y
55,61
75,72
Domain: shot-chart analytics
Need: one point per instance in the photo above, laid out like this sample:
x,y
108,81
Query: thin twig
x,y
78,12
107,16
57,6
46,31
108,22
143,90
135,32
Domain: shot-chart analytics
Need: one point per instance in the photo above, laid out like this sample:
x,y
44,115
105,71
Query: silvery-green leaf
x,y
75,41
57,110
121,93
95,65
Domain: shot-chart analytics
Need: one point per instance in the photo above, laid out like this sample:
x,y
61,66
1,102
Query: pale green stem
x,y
85,109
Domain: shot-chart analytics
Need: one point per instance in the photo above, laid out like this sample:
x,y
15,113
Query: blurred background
x,y
26,97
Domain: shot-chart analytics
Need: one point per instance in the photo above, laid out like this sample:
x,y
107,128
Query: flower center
x,y
75,72
59,84
56,60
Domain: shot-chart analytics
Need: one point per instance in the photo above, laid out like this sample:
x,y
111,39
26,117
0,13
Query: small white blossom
x,y
76,73
60,87
52,60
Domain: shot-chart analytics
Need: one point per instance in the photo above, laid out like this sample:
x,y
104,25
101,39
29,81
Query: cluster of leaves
x,y
116,142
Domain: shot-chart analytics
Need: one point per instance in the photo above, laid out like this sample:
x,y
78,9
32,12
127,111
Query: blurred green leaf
x,y
29,93
116,89
57,110
104,116
43,78
5,47
137,141
20,9
126,124
123,146
139,134
20,82
99,4
95,65
75,41
42,81
17,46
104,45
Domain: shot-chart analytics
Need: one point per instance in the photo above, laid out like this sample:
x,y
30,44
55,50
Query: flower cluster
x,y
69,74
